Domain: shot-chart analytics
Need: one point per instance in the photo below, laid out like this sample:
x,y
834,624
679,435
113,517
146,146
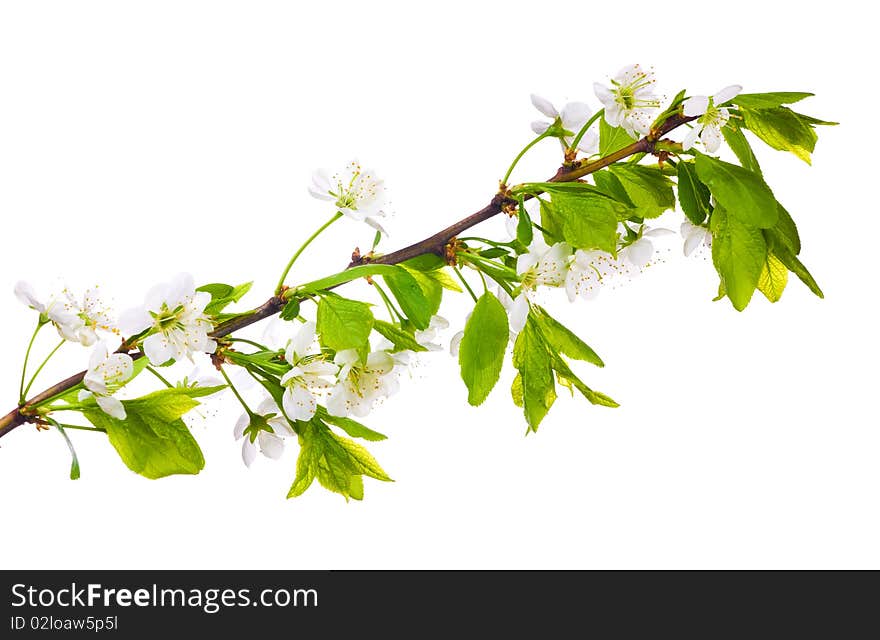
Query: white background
x,y
138,140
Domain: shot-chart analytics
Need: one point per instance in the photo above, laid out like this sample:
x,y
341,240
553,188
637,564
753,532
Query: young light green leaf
x,y
589,220
740,146
524,227
742,193
290,310
74,461
343,323
551,223
569,379
692,194
563,340
425,262
442,277
531,359
791,261
782,129
612,139
306,466
516,390
738,252
223,295
646,187
352,427
152,440
401,339
786,231
769,100
481,353
774,277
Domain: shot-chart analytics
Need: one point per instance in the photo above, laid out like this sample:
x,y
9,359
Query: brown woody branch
x,y
435,244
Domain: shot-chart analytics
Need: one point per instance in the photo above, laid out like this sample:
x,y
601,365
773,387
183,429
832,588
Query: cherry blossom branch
x,y
435,244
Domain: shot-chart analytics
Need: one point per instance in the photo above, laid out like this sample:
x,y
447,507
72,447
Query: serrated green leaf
x,y
551,222
343,323
442,277
306,466
774,277
481,353
742,193
589,219
769,100
647,188
560,338
692,194
411,297
740,146
425,262
738,252
152,440
787,231
516,391
612,139
400,338
593,397
532,360
782,129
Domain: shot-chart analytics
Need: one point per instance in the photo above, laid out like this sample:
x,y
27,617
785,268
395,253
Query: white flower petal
x,y
271,445
727,93
27,296
134,321
519,311
248,452
711,138
158,349
695,106
111,406
691,137
544,106
240,425
575,115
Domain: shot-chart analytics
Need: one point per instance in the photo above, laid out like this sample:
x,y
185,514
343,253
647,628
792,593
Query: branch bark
x,y
435,244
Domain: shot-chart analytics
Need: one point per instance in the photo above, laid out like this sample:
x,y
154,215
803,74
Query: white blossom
x,y
356,192
541,266
106,373
629,101
361,384
640,252
270,443
711,118
426,337
694,236
585,273
307,374
174,314
75,321
573,117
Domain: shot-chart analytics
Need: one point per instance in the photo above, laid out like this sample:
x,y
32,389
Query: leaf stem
x,y
27,355
40,368
159,375
585,128
392,310
251,342
520,155
236,393
465,282
302,248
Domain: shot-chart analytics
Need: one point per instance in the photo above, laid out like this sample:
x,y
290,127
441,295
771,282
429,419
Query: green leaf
x,y
740,146
481,353
786,231
569,379
742,193
411,297
290,310
769,100
74,461
524,227
790,260
223,295
531,359
152,440
774,277
516,390
589,219
739,252
550,221
442,277
612,139
352,427
563,340
692,194
343,323
646,187
425,262
338,463
782,129
400,338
